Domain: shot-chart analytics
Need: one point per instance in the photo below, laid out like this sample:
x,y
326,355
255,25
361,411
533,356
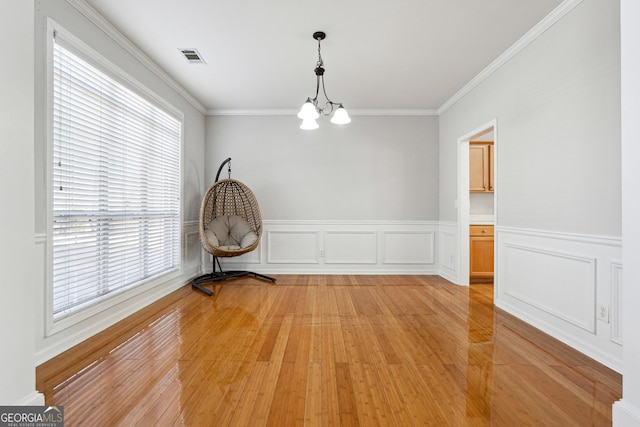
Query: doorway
x,y
482,210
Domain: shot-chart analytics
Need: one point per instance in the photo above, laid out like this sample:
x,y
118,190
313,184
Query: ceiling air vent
x,y
192,56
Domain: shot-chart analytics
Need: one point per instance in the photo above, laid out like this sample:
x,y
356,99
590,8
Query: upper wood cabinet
x,y
481,167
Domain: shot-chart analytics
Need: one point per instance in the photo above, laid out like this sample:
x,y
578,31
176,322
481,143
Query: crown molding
x,y
247,112
399,112
111,31
542,26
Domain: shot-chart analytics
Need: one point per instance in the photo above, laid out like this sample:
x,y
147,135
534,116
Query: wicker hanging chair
x,y
230,225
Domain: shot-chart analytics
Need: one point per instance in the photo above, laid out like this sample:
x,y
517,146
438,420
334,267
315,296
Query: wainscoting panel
x,y
560,283
292,247
344,247
403,247
350,247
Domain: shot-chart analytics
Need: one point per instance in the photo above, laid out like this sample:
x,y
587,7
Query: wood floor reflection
x,y
330,351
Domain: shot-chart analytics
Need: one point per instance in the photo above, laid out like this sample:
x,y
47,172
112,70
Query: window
x,y
116,186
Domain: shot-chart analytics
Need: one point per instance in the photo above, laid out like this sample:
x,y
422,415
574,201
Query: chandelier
x,y
310,110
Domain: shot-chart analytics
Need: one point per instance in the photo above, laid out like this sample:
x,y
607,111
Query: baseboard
x,y
330,272
625,414
567,338
446,275
34,399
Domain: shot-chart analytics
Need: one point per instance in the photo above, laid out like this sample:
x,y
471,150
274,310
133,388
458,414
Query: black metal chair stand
x,y
217,275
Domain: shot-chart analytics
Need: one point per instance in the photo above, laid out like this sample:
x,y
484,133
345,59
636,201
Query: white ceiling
x,y
378,54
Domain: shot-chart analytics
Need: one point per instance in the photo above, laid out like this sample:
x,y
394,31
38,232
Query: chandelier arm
x,y
314,100
329,102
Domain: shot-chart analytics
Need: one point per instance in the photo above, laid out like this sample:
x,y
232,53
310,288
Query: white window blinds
x,y
116,178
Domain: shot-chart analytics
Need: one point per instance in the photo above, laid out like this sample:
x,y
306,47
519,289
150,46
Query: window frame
x,y
88,54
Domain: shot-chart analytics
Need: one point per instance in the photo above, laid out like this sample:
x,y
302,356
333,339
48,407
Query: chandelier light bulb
x,y
308,111
340,117
309,124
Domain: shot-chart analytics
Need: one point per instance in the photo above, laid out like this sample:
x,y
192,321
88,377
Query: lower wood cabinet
x,y
481,253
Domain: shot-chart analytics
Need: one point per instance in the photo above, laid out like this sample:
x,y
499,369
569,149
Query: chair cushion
x,y
230,232
248,239
211,237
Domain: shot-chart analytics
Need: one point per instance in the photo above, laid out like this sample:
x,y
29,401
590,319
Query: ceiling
x,y
378,54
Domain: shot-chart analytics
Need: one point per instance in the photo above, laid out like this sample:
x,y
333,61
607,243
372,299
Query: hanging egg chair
x,y
230,225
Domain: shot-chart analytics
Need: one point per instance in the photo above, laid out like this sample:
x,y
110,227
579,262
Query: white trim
x,y
463,204
247,112
482,219
275,222
448,223
616,302
34,399
336,270
448,276
111,31
285,112
542,26
395,112
625,414
574,237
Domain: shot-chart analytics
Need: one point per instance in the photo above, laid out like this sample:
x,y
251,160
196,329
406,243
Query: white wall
x,y
626,412
360,198
558,110
375,168
17,278
557,107
98,34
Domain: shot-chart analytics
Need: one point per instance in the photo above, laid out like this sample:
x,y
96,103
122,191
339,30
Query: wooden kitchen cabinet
x,y
481,253
481,167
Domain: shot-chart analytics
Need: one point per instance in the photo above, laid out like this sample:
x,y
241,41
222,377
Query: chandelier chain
x,y
320,62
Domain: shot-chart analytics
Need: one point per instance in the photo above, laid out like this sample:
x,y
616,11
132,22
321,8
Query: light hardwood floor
x,y
330,351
